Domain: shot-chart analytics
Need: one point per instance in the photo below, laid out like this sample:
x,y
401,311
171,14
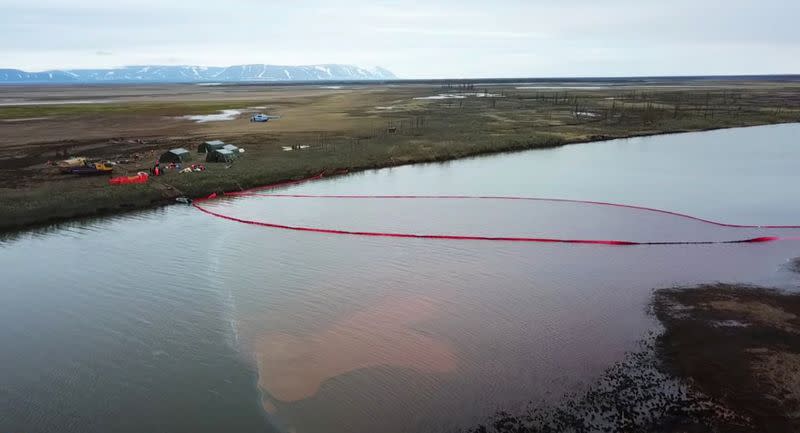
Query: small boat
x,y
93,169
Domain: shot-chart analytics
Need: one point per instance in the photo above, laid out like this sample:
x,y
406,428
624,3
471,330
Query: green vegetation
x,y
351,130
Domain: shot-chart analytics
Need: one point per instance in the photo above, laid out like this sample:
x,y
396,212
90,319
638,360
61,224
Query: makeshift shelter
x,y
175,155
221,155
210,146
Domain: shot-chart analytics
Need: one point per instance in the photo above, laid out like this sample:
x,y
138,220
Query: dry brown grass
x,y
756,312
781,372
345,129
752,367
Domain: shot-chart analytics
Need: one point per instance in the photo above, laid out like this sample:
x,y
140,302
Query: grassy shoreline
x,y
138,203
726,360
355,129
738,344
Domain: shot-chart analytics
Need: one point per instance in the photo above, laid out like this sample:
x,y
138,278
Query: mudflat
x,y
739,345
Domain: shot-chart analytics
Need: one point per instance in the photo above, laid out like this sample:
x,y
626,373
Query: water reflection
x,y
171,320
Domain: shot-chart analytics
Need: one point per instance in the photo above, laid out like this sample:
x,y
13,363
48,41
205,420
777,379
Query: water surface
x,y
172,320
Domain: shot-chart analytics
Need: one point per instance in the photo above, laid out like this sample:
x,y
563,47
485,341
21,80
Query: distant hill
x,y
197,74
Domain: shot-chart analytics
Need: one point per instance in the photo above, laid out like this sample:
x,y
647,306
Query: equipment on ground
x,y
93,169
222,155
176,156
210,146
67,165
142,177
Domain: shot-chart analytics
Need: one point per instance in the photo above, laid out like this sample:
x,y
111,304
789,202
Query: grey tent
x,y
175,155
221,155
231,147
210,146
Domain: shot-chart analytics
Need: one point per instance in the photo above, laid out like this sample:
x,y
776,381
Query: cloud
x,y
463,33
450,38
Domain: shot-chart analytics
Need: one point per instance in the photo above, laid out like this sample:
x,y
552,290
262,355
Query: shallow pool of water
x,y
222,116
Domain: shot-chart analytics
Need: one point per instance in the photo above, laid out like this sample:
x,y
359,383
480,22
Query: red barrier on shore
x,y
128,180
250,192
276,185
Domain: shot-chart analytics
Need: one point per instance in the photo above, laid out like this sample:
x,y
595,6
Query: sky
x,y
413,39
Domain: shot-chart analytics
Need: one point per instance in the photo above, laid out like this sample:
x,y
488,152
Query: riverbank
x,y
727,360
738,344
349,129
522,323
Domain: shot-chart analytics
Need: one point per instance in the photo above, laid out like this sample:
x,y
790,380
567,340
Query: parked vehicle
x,y
260,117
93,169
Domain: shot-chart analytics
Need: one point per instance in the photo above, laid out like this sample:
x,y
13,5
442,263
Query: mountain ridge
x,y
198,74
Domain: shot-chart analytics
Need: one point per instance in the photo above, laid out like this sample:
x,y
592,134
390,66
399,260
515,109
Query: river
x,y
173,320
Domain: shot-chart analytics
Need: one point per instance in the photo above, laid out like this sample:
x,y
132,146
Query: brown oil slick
x,y
269,406
293,368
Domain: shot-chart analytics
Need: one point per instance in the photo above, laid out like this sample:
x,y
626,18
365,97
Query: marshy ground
x,y
351,127
739,344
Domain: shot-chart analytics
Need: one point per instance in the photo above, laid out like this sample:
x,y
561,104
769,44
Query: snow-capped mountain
x,y
190,74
